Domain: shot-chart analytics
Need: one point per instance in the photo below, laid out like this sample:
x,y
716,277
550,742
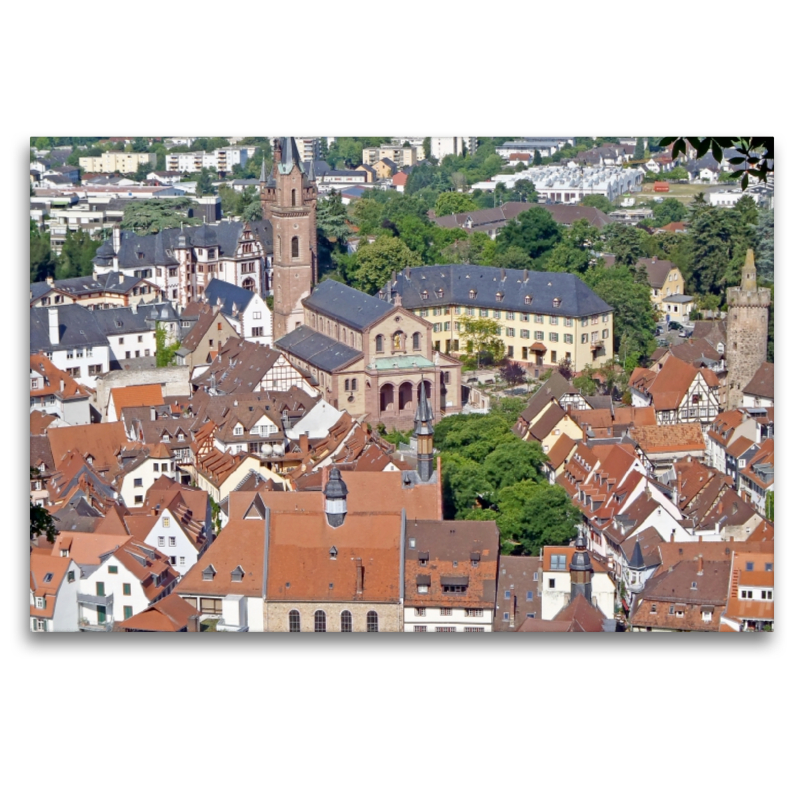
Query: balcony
x,y
88,627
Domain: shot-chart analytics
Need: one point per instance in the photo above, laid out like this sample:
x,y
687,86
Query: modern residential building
x,y
117,162
442,146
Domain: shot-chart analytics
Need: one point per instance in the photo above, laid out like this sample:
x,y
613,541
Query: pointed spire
x,y
637,559
263,178
749,272
424,414
312,175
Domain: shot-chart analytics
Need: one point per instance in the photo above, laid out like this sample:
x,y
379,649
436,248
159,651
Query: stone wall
x,y
390,616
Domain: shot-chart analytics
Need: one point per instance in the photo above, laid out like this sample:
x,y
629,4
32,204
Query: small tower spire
x,y
423,433
580,570
335,492
749,272
263,178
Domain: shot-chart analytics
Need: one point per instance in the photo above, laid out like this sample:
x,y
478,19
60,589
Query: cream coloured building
x,y
544,317
117,162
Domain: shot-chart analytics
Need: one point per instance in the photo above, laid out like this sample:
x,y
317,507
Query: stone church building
x,y
370,357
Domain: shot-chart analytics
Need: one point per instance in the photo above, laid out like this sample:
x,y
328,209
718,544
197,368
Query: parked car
x,y
675,326
686,333
663,342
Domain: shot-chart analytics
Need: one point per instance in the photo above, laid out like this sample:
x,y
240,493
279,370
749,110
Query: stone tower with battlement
x,y
747,326
289,202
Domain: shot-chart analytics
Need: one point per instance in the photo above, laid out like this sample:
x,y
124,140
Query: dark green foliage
x,y
165,354
668,210
638,151
534,232
488,473
43,260
151,216
625,242
598,201
41,522
204,183
77,253
765,244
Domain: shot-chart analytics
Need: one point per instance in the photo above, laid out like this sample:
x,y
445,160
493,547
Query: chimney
x,y
407,272
62,385
700,564
359,577
524,275
133,309
49,280
115,239
700,538
304,450
52,319
672,536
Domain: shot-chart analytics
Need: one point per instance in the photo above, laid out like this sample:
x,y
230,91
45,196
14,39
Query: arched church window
x,y
294,197
416,341
295,247
379,343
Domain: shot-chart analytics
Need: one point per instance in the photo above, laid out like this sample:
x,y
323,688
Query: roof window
x,y
209,572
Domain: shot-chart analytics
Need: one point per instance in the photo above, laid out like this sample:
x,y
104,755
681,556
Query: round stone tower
x,y
747,325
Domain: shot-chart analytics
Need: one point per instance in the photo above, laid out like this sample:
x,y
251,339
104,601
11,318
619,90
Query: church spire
x,y
423,433
263,178
580,570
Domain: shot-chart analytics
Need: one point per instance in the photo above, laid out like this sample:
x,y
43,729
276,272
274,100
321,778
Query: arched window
x,y
294,197
379,343
347,622
295,247
249,284
372,622
320,625
416,339
294,621
352,339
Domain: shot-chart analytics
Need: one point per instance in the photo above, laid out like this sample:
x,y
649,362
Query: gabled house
x,y
148,394
751,593
726,429
678,392
245,309
660,445
55,392
70,337
760,392
204,341
171,614
450,576
519,592
54,583
757,479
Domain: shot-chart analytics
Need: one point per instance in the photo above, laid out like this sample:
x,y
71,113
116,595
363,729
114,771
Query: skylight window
x,y
48,577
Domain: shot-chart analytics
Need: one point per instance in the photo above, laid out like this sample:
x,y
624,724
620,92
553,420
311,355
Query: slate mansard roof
x,y
451,284
227,295
348,305
157,249
317,349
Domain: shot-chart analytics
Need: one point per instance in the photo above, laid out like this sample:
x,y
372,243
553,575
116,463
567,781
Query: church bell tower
x,y
289,202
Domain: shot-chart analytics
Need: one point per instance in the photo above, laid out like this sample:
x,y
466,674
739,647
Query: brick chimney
x,y
700,564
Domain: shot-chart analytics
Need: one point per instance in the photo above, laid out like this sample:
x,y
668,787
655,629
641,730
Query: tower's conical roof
x,y
423,418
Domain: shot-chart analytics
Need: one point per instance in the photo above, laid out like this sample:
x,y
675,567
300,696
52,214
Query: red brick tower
x,y
289,202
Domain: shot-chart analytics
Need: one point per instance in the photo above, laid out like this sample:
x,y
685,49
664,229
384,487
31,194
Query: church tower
x,y
747,326
289,202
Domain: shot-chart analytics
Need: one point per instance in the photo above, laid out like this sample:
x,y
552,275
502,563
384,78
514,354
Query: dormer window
x,y
333,552
209,572
472,294
556,302
238,430
499,296
236,575
440,293
424,294
528,299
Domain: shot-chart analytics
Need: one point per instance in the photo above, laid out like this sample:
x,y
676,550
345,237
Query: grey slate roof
x,y
77,327
317,349
350,306
227,295
112,281
156,248
123,319
514,285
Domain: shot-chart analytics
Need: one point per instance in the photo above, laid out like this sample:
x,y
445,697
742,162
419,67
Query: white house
x,y
147,468
245,310
556,585
71,338
54,588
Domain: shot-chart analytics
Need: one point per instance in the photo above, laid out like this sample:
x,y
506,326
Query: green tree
x,y
41,522
165,353
599,201
42,143
634,315
769,506
482,338
513,258
668,210
534,514
332,218
765,248
205,186
515,461
77,252
537,158
43,260
625,242
376,261
140,145
151,216
638,150
533,231
142,171
426,147
454,203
